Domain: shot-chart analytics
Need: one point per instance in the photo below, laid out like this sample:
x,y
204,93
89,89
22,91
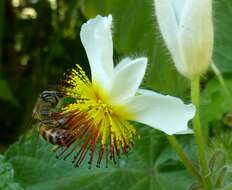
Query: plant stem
x,y
222,82
195,95
184,158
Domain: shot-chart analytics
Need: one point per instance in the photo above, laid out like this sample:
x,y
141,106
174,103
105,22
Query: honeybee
x,y
50,129
64,130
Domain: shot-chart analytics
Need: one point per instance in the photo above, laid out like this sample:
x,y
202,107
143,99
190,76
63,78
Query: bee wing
x,y
31,125
35,138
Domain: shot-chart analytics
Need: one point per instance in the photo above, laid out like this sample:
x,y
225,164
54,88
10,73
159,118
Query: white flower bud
x,y
187,29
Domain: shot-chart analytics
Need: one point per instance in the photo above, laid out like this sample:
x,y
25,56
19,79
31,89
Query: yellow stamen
x,y
105,119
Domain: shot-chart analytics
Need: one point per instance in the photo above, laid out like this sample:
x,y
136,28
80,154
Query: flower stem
x,y
195,93
184,158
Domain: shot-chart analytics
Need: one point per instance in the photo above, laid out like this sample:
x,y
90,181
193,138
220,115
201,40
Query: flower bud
x,y
187,29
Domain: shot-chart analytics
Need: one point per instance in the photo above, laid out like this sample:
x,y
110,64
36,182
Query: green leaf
x,y
6,93
37,168
223,40
214,103
7,176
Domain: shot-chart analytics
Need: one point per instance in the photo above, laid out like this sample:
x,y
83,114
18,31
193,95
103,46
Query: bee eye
x,y
45,94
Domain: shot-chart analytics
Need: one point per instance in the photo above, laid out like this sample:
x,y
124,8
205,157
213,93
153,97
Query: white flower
x,y
105,104
187,29
121,83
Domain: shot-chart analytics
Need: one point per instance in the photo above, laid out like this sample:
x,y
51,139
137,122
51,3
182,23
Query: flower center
x,y
93,122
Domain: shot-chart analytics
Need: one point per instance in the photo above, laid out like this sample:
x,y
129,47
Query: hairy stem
x,y
184,158
195,95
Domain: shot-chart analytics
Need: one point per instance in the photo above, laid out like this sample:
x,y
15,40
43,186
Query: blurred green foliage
x,y
223,29
39,41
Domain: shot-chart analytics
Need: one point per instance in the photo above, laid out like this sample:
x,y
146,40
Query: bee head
x,y
50,97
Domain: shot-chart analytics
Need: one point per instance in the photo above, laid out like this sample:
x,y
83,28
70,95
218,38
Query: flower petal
x,y
96,37
196,36
122,64
185,132
127,78
166,113
178,6
141,91
167,18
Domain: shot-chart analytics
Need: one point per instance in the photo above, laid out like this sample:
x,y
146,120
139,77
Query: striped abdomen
x,y
54,136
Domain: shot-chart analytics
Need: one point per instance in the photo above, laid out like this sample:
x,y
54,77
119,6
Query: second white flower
x,y
187,29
